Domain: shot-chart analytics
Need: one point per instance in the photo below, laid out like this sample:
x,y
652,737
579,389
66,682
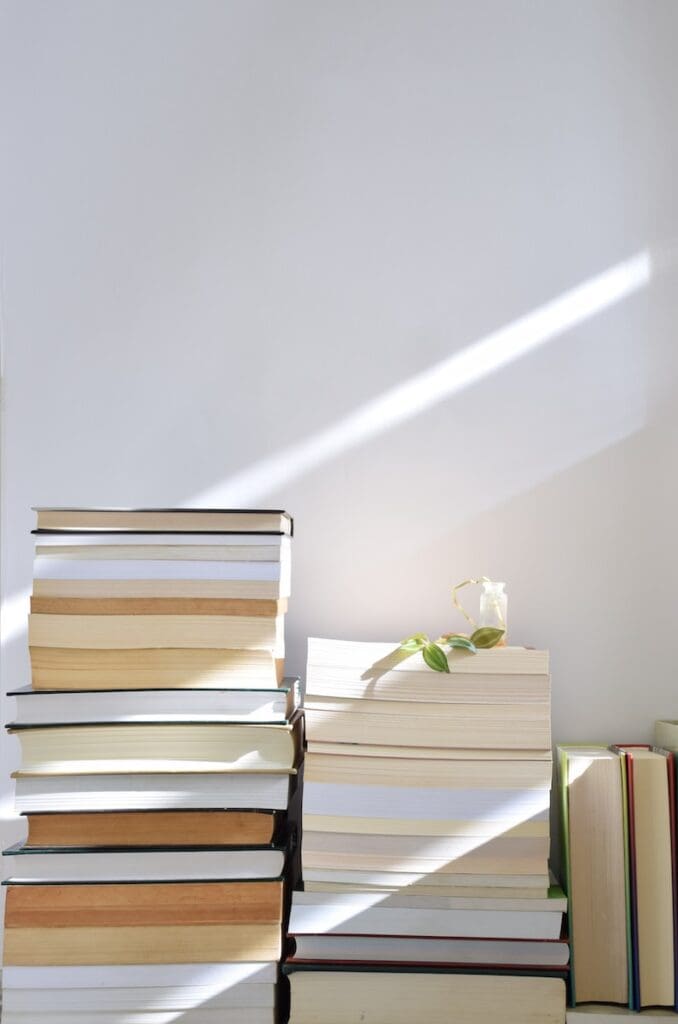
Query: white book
x,y
388,657
403,879
249,791
435,804
142,865
38,707
250,1015
363,914
212,978
100,538
168,997
51,567
421,950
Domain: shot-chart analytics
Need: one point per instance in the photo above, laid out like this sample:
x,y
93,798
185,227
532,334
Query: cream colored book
x,y
416,772
472,828
157,747
166,552
666,734
594,815
259,590
141,944
399,683
390,997
69,668
376,658
427,854
519,726
109,632
421,887
427,753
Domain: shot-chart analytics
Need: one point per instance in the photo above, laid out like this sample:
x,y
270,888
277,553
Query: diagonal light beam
x,y
432,386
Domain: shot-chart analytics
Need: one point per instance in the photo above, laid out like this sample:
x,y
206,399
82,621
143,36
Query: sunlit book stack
x,y
426,840
159,746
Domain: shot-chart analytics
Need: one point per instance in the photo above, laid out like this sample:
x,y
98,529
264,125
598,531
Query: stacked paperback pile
x,y
425,841
159,747
619,830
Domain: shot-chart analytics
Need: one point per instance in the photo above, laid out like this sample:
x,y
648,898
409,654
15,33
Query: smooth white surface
x,y
233,235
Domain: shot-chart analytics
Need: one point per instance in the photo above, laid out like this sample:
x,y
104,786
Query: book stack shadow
x,y
160,744
426,889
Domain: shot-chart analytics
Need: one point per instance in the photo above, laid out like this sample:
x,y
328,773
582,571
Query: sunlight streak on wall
x,y
432,386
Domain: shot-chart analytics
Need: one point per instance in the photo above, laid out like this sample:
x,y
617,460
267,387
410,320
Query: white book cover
x,y
363,916
36,707
500,805
169,997
51,567
142,865
422,950
126,539
213,978
265,791
251,1015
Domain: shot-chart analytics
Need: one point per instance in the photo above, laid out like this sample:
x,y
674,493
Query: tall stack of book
x,y
159,745
426,840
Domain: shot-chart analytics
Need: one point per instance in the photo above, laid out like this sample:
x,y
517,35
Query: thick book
x,y
67,707
165,520
68,668
404,949
421,881
448,855
132,632
152,828
324,913
595,858
650,778
229,606
142,944
208,978
400,997
157,747
418,886
501,726
174,903
114,864
231,1014
163,791
353,767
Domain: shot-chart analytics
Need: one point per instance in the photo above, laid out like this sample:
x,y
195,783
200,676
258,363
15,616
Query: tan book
x,y
428,753
157,747
143,944
151,828
417,772
442,855
520,726
109,632
157,606
422,888
167,520
595,859
119,904
165,552
422,827
54,668
390,997
259,590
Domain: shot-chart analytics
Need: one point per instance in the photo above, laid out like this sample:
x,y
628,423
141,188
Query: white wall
x,y
227,226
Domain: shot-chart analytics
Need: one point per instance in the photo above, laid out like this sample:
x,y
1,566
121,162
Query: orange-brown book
x,y
157,606
151,828
143,904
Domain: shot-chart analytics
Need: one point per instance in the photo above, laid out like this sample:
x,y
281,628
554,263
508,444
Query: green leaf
x,y
414,643
435,658
486,637
461,643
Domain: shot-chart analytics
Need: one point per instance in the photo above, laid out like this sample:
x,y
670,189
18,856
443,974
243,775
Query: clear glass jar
x,y
493,602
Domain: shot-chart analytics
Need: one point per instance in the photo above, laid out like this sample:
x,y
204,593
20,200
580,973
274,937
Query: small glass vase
x,y
493,603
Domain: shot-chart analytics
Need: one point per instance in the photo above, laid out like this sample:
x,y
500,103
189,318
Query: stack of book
x,y
618,809
426,840
159,747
